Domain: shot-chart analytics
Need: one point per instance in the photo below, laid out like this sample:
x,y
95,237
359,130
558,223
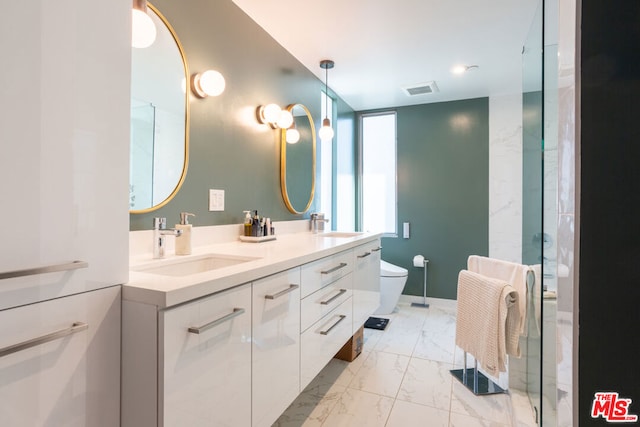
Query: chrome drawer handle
x,y
342,316
342,265
340,292
366,254
75,327
291,288
377,249
65,266
198,329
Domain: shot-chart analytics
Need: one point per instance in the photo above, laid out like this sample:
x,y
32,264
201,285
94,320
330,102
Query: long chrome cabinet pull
x,y
75,327
336,268
291,288
73,265
342,316
198,329
364,255
377,249
340,292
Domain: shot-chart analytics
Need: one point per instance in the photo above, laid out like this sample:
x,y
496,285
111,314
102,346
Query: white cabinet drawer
x,y
205,375
318,274
275,346
321,302
323,340
67,373
366,282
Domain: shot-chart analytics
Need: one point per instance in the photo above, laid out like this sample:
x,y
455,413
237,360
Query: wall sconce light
x,y
285,119
326,131
143,30
209,83
274,116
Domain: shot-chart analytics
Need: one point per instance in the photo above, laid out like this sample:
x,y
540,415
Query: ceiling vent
x,y
421,88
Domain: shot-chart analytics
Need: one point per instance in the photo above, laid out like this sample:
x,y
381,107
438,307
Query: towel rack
x,y
472,378
475,380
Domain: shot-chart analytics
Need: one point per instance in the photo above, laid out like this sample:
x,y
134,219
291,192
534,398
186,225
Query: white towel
x,y
510,272
487,320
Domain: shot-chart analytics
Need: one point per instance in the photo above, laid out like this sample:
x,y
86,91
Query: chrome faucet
x,y
317,222
160,230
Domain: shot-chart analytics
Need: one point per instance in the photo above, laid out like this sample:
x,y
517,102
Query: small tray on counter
x,y
261,239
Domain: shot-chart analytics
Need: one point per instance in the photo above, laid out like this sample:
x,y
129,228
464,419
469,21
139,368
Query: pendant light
x,y
326,131
143,30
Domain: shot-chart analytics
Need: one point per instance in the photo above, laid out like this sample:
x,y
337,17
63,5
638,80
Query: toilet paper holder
x,y
420,261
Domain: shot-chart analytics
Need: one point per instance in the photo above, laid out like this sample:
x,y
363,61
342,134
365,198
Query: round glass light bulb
x,y
285,119
212,83
326,131
271,113
143,30
293,135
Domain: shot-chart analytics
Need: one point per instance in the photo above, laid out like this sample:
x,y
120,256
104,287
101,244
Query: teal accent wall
x,y
532,178
229,149
443,192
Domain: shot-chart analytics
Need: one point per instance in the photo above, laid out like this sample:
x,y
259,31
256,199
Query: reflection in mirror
x,y
159,119
298,162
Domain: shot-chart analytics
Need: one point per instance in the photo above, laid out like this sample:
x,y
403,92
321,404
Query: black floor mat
x,y
376,323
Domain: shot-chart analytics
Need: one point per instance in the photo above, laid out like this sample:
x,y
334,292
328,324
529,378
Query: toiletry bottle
x,y
256,230
247,223
183,242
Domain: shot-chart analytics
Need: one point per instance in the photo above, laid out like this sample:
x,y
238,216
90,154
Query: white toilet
x,y
392,281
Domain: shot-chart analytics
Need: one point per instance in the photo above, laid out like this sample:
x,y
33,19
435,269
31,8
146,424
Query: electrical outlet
x,y
216,200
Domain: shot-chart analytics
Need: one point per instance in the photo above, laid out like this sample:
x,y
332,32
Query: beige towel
x,y
510,272
487,320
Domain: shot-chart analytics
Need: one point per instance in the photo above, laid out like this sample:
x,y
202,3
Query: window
x,y
378,173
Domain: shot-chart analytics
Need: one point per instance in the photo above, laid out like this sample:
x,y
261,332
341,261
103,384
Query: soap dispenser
x,y
247,223
183,242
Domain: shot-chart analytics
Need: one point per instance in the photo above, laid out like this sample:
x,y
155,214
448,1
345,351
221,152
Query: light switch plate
x,y
216,200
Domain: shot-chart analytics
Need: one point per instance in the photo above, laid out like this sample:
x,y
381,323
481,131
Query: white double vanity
x,y
230,335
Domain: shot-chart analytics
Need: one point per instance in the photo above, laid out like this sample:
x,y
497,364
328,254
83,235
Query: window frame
x,y
360,167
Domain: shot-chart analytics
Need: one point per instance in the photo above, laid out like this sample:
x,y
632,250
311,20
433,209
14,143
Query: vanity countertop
x,y
289,250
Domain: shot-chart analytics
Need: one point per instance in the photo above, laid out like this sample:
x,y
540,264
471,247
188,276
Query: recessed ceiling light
x,y
461,69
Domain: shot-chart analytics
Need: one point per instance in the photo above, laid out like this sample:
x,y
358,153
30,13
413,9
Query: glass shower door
x,y
533,236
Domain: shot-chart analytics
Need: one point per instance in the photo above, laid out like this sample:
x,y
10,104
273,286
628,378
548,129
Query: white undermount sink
x,y
193,265
340,234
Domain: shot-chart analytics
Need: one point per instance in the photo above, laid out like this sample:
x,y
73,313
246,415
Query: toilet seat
x,y
390,270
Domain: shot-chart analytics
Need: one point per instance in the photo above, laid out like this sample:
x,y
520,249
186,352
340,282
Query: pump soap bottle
x,y
247,223
183,242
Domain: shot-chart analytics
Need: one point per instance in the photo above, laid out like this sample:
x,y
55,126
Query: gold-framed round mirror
x,y
159,150
298,160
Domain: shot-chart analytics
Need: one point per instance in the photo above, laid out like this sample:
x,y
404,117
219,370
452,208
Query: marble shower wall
x,y
505,177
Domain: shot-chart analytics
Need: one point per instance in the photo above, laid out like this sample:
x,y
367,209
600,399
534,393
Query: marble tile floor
x,y
401,379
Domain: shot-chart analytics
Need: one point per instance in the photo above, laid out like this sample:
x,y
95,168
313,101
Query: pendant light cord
x,y
326,93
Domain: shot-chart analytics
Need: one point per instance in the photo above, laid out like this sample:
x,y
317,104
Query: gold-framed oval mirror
x,y
298,161
159,150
